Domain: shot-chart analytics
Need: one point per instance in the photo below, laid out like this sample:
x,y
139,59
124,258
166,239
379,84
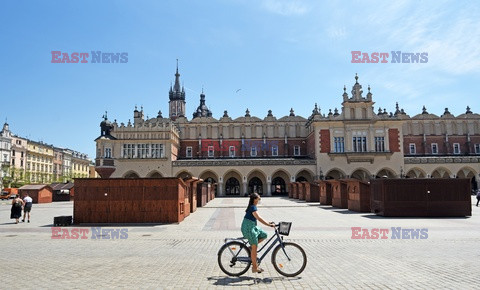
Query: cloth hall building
x,y
249,153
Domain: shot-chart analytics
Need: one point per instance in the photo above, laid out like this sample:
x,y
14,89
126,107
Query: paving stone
x,y
179,256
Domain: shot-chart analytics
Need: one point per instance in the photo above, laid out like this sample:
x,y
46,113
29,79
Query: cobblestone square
x,y
184,255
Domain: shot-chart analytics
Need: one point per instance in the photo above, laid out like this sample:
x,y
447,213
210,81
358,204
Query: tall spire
x,y
177,80
177,98
177,93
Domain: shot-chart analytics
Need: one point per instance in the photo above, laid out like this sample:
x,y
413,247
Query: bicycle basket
x,y
284,228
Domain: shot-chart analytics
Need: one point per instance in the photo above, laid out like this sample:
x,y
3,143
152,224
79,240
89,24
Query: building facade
x,y
39,162
5,152
19,158
26,161
58,165
80,164
248,153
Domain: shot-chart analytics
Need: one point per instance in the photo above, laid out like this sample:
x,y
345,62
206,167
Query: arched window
x,y
255,185
278,186
232,187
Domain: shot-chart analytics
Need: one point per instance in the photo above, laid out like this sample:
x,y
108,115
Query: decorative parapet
x,y
366,157
441,160
242,162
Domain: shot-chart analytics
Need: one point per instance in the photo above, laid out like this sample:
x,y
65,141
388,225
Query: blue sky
x,y
280,53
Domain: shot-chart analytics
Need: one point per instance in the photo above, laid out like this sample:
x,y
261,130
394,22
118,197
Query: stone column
x,y
269,188
220,189
245,188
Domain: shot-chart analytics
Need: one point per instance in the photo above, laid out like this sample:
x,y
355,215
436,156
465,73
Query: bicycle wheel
x,y
289,261
234,258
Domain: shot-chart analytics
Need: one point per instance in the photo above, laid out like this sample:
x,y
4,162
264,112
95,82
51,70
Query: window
x,y
434,148
189,151
275,150
13,162
21,163
380,144
13,152
108,152
359,144
231,151
339,144
143,150
477,148
21,154
253,151
211,152
157,151
456,148
5,157
412,148
128,150
296,150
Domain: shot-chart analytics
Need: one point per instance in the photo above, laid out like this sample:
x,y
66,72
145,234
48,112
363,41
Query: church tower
x,y
176,104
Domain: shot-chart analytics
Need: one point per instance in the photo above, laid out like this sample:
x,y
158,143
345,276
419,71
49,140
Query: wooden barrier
x,y
312,192
358,195
295,189
40,193
301,190
140,200
421,197
325,192
202,189
339,193
191,185
62,191
290,190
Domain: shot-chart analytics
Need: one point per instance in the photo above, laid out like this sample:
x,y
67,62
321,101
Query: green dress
x,y
250,230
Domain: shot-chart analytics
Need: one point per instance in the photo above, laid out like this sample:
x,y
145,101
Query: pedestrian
x,y
16,211
478,196
28,201
253,233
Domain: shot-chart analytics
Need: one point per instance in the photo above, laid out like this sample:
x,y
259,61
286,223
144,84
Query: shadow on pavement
x,y
112,225
240,281
372,216
10,223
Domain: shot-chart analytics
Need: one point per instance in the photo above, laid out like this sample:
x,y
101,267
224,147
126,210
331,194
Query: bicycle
x,y
288,259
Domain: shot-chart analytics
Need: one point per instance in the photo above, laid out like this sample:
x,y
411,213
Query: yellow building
x,y
39,162
80,165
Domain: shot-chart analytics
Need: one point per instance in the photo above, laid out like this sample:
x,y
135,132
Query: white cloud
x,y
449,35
337,33
286,7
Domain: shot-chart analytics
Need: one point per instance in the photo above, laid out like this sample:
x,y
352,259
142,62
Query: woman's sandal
x,y
259,270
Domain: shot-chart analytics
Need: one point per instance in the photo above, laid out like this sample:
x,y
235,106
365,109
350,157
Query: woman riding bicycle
x,y
251,231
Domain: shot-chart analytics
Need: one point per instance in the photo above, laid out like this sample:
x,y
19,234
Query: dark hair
x,y
253,197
